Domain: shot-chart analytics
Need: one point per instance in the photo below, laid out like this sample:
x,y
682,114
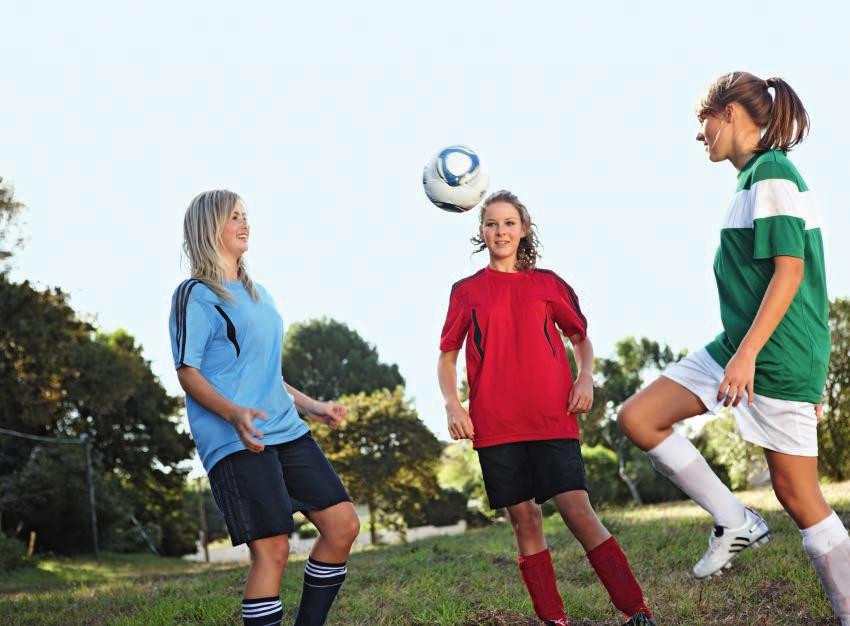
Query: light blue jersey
x,y
236,345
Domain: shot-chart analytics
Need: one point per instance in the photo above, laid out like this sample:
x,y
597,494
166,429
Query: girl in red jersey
x,y
523,404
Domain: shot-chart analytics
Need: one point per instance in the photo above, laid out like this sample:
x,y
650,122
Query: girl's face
x,y
715,133
502,230
234,237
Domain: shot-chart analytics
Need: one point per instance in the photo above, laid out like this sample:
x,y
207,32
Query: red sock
x,y
613,570
539,578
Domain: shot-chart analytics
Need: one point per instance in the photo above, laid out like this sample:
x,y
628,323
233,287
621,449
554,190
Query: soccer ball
x,y
455,179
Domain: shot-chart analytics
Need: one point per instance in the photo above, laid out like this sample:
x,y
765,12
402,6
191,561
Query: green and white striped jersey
x,y
773,214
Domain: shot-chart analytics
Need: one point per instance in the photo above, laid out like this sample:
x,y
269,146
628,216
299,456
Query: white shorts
x,y
785,426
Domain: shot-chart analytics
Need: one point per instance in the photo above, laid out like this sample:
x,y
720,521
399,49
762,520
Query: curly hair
x,y
529,249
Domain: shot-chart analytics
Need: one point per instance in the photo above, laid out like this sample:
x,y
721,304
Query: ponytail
x,y
783,118
789,122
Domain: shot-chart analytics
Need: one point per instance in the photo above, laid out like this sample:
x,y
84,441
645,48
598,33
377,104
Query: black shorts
x,y
516,472
257,492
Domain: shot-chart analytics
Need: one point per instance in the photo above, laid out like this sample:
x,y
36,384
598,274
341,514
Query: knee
x,y
579,516
350,529
272,551
527,520
345,531
628,419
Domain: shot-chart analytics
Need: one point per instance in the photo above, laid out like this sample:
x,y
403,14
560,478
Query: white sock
x,y
828,546
679,460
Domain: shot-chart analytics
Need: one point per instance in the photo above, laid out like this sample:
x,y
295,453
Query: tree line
x,y
62,377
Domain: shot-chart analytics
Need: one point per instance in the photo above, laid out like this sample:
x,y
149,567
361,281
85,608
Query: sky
x,y
322,115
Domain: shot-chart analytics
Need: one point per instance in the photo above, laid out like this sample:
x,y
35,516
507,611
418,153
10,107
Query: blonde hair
x,y
529,249
203,224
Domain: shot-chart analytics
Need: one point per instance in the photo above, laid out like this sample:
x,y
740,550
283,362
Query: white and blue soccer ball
x,y
455,179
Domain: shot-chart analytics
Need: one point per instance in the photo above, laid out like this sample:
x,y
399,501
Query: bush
x,y
475,518
448,508
307,531
13,554
653,487
125,538
603,479
735,461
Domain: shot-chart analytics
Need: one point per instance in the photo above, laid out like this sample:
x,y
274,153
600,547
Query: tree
x,y
385,454
60,378
620,378
9,211
326,359
460,469
834,429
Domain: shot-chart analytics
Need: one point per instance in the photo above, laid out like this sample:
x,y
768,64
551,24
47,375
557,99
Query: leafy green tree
x,y
385,455
734,460
460,470
59,378
834,429
618,378
326,359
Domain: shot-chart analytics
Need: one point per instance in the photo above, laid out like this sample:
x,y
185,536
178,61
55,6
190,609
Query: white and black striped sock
x,y
321,584
262,611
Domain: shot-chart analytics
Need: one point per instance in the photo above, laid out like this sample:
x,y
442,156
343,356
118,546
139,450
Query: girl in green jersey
x,y
769,363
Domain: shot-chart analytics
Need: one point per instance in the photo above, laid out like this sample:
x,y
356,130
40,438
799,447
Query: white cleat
x,y
724,544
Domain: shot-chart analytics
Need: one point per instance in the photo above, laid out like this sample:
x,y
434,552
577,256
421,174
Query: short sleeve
x,y
189,327
456,324
781,214
567,311
778,236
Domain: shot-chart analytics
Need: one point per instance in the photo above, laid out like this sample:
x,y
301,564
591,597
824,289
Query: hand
x,y
819,412
460,426
242,420
581,396
329,413
738,378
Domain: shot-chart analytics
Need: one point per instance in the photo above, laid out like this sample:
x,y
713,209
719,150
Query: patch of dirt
x,y
499,617
506,617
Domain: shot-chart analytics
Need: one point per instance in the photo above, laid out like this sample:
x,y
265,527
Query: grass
x,y
467,579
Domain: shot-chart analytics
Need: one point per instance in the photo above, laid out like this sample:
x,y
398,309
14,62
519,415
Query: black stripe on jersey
x,y
179,309
570,293
231,329
183,306
463,280
546,332
477,335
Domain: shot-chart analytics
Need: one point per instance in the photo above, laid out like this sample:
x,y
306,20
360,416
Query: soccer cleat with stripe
x,y
724,544
640,619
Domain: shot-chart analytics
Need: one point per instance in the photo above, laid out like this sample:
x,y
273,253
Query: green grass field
x,y
468,579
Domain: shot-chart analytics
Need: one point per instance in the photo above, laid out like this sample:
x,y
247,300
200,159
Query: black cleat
x,y
640,619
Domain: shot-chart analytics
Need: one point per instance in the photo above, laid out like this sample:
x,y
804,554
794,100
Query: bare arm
x,y
329,413
581,396
741,369
240,417
460,425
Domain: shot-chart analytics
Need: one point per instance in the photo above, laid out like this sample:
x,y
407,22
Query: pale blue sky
x,y
322,117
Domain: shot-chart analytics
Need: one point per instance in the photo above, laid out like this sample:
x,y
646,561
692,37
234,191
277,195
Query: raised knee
x,y
627,418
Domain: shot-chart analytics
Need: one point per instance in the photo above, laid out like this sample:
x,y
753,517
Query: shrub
x,y
13,554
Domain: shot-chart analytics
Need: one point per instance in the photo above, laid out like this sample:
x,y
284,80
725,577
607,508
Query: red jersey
x,y
519,375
